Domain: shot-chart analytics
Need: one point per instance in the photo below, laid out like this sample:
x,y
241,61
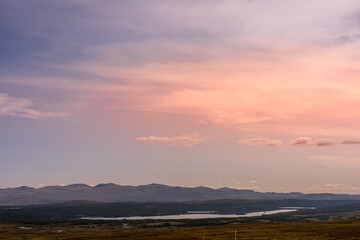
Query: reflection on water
x,y
200,215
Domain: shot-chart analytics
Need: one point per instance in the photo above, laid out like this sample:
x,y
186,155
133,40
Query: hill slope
x,y
143,193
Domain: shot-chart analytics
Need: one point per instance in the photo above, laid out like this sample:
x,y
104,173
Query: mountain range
x,y
111,192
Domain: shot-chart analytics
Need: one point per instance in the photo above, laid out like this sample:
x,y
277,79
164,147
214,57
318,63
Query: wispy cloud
x,y
187,140
333,187
251,185
261,141
153,115
327,158
23,108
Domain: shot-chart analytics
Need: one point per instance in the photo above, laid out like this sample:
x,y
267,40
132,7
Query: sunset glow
x,y
260,95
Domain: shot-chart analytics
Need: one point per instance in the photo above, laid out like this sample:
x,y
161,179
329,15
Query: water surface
x,y
200,215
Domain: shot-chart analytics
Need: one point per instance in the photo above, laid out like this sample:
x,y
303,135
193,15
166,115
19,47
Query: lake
x,y
201,215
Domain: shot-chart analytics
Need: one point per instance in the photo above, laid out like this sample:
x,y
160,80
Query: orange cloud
x,y
187,140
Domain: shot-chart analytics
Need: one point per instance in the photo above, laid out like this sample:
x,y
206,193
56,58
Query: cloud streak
x,y
333,187
186,140
153,115
261,141
327,158
22,108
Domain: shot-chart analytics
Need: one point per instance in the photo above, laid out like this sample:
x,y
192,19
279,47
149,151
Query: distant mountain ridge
x,y
111,192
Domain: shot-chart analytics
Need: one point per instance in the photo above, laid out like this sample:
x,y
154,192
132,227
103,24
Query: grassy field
x,y
342,229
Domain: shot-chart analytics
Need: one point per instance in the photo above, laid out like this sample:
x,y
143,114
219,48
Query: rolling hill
x,y
143,193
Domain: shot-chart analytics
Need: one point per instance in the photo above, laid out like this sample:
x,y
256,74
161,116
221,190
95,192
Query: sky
x,y
248,94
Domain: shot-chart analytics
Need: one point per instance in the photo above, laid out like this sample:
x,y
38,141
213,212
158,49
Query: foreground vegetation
x,y
340,229
57,222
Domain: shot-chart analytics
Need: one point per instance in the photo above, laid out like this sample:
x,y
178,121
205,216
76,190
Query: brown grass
x,y
344,229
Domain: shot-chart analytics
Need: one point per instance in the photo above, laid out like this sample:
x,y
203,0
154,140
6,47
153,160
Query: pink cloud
x,y
272,106
254,141
351,141
275,142
187,140
260,141
182,77
301,141
306,141
324,142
